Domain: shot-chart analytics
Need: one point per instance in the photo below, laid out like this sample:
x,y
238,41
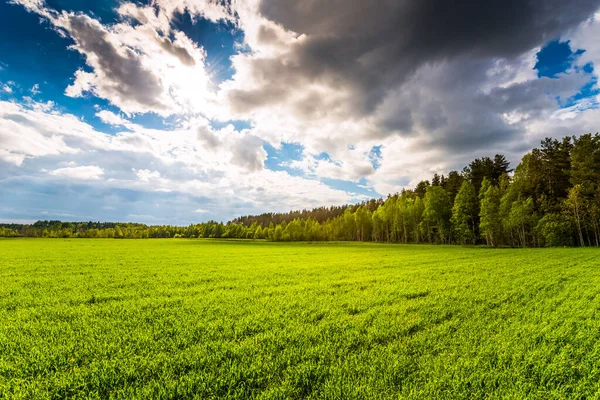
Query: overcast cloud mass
x,y
178,111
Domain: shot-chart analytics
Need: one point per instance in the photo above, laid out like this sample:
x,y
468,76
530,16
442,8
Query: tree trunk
x,y
581,241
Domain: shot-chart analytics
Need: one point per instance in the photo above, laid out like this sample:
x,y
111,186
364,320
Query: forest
x,y
552,198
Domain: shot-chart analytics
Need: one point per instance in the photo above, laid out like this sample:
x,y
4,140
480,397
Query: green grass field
x,y
224,319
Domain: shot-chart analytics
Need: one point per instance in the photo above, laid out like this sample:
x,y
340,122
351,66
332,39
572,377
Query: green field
x,y
225,319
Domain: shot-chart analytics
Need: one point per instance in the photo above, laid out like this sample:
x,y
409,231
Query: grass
x,y
232,319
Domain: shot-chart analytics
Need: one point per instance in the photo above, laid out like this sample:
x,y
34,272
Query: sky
x,y
182,111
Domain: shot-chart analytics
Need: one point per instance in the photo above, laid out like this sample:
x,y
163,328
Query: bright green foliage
x,y
575,206
555,230
206,319
464,214
490,224
364,225
585,162
521,219
436,216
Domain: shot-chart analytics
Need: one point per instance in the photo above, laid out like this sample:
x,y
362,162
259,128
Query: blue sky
x,y
184,111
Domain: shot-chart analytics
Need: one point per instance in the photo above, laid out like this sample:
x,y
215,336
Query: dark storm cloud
x,y
535,96
372,46
125,75
450,109
490,27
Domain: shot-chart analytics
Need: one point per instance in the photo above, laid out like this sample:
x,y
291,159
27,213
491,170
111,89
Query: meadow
x,y
178,319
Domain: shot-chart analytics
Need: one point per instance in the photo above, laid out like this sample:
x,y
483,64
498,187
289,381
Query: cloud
x,y
164,162
343,82
119,73
585,37
248,153
11,158
89,172
111,118
145,175
364,49
37,130
140,64
431,84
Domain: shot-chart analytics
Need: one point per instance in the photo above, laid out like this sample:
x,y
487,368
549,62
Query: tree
x,y
555,230
520,219
574,205
490,224
421,188
592,209
415,209
500,167
278,234
485,167
585,161
585,176
363,223
464,214
437,213
556,166
452,184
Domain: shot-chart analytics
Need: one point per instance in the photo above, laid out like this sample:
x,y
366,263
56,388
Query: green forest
x,y
552,198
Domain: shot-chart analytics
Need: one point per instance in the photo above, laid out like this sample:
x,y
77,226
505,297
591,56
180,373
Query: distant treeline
x,y
111,230
551,199
320,214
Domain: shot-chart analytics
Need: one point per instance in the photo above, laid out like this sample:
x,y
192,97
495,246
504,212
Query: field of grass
x,y
225,319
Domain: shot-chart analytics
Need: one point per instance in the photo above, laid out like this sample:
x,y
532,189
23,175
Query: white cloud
x,y
145,175
112,118
89,172
39,131
586,37
139,67
35,89
178,161
10,157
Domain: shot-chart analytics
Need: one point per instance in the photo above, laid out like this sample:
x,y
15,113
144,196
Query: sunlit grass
x,y
234,319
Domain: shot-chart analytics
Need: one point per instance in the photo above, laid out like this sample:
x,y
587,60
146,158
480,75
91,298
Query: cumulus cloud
x,y
248,153
111,118
118,75
140,64
89,172
23,135
145,175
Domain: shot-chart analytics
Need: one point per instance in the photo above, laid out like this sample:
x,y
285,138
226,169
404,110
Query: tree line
x,y
552,198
